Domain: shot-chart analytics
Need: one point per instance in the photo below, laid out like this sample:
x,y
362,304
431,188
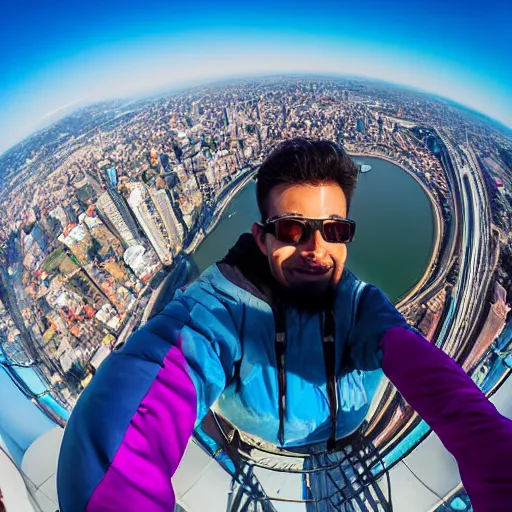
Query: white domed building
x,y
140,261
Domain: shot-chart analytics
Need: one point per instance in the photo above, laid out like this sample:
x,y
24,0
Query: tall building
x,y
114,209
111,176
61,215
165,161
164,207
196,108
39,235
146,213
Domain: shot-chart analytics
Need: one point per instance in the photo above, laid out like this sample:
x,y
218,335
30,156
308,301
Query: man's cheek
x,y
281,254
342,255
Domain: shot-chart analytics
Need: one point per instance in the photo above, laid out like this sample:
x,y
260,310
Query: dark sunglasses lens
x,y
289,230
338,232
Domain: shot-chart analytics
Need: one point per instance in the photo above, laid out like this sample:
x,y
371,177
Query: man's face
x,y
314,266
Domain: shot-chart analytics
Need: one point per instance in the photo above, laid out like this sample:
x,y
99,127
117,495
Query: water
x,y
394,236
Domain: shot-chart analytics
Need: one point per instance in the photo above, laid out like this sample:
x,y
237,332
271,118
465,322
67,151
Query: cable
x,y
443,501
388,478
198,477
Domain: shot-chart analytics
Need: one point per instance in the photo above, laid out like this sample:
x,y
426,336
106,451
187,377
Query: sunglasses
x,y
296,230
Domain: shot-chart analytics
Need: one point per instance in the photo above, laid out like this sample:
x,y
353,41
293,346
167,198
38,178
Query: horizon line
x,y
162,91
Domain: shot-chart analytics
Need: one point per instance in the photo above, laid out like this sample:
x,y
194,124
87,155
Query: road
x,y
473,249
470,291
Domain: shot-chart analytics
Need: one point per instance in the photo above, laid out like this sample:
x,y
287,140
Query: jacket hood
x,y
247,267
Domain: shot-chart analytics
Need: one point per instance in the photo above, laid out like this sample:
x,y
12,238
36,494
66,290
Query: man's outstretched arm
x,y
130,427
467,423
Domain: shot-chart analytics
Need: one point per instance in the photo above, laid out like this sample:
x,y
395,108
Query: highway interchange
x,y
391,422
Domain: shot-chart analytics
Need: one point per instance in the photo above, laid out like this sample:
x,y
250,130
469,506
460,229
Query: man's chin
x,y
309,295
310,283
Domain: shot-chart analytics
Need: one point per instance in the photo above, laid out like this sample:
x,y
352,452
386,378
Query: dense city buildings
x,y
104,201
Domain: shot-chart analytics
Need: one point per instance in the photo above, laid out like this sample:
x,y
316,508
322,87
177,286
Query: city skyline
x,y
106,197
118,205
69,57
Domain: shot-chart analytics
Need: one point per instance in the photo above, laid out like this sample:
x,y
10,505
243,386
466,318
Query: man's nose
x,y
315,245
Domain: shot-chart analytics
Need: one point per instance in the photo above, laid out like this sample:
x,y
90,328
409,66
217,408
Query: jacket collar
x,y
247,267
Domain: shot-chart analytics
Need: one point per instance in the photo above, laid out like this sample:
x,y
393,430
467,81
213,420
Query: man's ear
x,y
259,235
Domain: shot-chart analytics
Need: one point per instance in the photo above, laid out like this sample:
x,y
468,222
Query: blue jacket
x,y
214,342
248,395
220,332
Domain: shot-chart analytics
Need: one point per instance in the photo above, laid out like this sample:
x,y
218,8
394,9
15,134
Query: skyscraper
x,y
164,207
258,138
148,217
114,209
111,175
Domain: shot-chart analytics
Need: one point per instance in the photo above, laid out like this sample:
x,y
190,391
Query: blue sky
x,y
56,56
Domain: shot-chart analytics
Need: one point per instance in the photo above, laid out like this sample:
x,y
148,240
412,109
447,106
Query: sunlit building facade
x,y
148,217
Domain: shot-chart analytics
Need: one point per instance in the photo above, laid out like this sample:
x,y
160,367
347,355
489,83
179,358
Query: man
x,y
284,339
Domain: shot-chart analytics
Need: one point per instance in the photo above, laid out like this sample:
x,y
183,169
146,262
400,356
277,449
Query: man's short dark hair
x,y
305,161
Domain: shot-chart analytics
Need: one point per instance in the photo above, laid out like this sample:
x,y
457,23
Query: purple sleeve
x,y
139,477
130,426
467,423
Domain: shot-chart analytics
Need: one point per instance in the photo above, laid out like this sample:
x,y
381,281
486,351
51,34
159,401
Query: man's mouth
x,y
314,270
